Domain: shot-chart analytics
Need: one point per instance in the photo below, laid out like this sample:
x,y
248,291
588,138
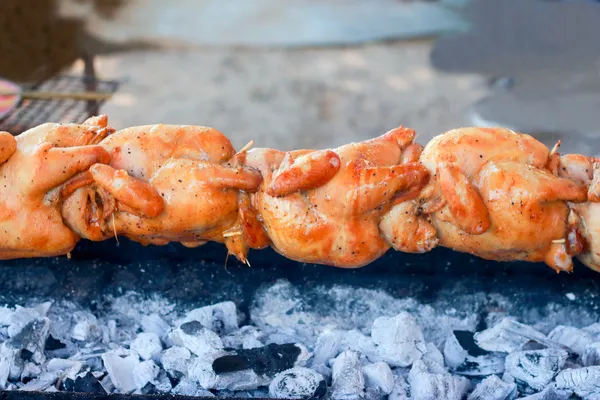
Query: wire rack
x,y
31,113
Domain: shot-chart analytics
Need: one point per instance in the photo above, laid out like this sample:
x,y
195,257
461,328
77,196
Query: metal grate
x,y
31,113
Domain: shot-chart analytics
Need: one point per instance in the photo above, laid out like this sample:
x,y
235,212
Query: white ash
x,y
584,382
399,340
493,388
591,354
297,383
347,375
147,345
379,376
571,337
367,348
533,370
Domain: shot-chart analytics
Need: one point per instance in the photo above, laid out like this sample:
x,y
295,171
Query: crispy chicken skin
x,y
324,206
34,167
490,193
164,183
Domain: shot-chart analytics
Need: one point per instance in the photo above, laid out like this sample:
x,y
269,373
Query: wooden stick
x,y
59,96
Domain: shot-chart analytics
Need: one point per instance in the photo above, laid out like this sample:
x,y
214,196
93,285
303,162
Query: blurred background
x,y
311,73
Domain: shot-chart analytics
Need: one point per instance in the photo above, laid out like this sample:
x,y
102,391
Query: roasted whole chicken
x,y
163,183
494,193
325,206
35,166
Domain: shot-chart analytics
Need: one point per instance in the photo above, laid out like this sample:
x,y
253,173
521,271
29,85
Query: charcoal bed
x,y
442,285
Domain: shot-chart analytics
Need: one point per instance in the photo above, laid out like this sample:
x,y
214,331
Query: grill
x,y
199,276
33,112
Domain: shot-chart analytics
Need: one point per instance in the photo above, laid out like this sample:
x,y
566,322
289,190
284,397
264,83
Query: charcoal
x,y
11,364
533,370
465,357
19,318
70,368
221,318
372,393
32,337
549,393
380,376
401,390
162,383
358,341
571,337
239,380
322,369
510,335
120,370
247,337
42,382
107,384
86,327
427,386
196,338
493,388
54,344
83,383
187,387
147,345
297,383
584,382
591,355
348,379
267,361
328,346
399,340
30,371
434,359
593,329
145,373
175,361
200,370
154,324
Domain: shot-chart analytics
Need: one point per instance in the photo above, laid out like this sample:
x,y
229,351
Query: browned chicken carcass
x,y
492,195
34,166
164,183
324,206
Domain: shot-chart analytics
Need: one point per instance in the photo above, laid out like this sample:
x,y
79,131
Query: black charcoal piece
x,y
465,357
298,383
493,388
230,363
54,344
85,383
32,338
550,393
533,370
268,360
191,328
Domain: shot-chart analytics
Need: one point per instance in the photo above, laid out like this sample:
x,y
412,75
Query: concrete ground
x,y
291,99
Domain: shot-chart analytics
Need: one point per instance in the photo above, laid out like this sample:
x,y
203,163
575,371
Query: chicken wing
x,y
34,167
324,206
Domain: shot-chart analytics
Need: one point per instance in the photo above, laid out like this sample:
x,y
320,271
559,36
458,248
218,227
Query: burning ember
x,y
372,347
